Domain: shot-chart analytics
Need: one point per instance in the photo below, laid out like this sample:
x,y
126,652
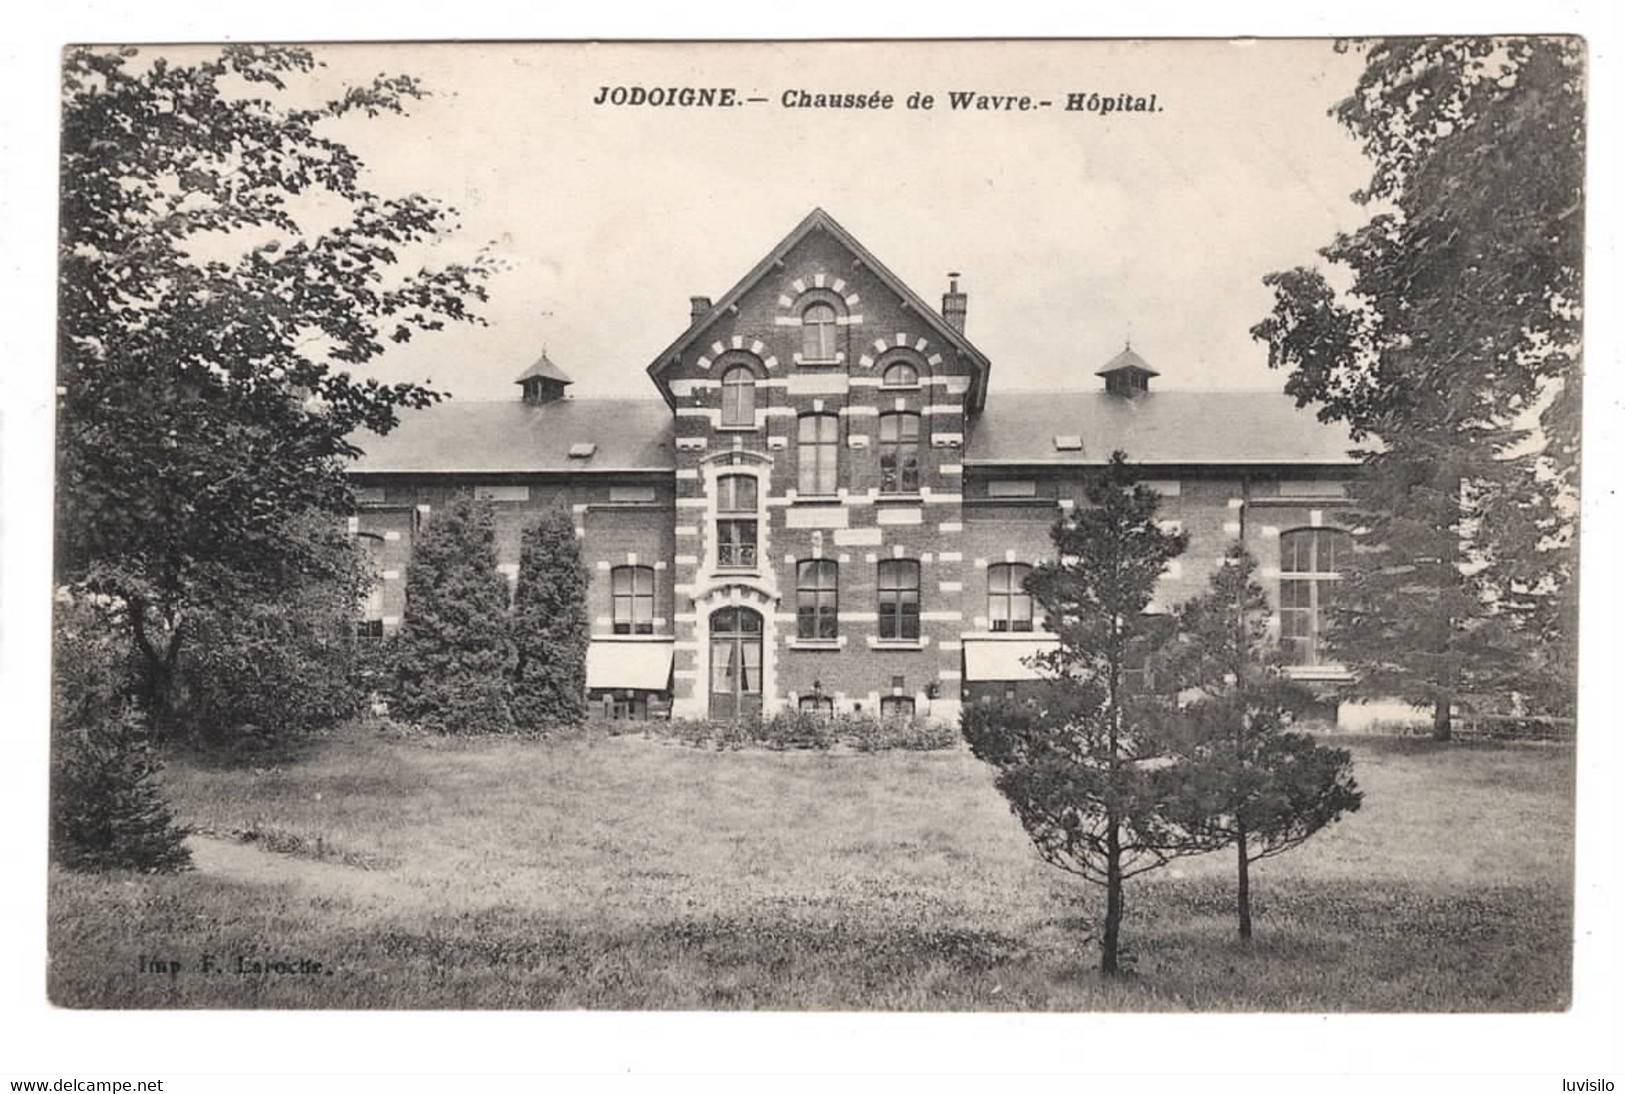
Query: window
x,y
1009,608
899,598
896,707
371,623
632,592
817,599
736,522
902,374
821,705
818,333
817,448
899,453
739,396
1311,564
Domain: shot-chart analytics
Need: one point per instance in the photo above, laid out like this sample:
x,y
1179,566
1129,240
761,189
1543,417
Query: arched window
x,y
739,396
1009,608
899,588
818,333
817,599
900,453
736,521
901,374
632,592
817,451
1311,566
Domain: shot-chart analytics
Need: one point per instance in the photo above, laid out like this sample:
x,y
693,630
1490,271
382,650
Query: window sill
x,y
816,499
738,429
900,497
899,387
900,644
815,645
816,361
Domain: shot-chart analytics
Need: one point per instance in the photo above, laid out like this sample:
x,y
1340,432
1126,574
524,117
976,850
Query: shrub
x,y
788,730
453,655
550,626
106,809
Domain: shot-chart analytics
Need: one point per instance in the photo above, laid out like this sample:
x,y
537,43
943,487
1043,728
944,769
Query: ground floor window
x,y
816,704
896,706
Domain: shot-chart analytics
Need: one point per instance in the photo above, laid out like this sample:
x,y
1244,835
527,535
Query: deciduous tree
x,y
1447,338
223,270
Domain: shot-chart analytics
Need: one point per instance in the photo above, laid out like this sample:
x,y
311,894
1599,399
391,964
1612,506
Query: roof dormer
x,y
1127,374
543,382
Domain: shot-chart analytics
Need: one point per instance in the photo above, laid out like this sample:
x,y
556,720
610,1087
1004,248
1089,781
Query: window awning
x,y
1003,658
645,665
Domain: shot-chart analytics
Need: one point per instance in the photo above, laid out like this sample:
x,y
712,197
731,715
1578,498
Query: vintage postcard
x,y
824,526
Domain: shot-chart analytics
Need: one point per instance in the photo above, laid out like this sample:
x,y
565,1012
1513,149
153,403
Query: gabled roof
x,y
818,220
509,437
545,369
1159,427
1128,359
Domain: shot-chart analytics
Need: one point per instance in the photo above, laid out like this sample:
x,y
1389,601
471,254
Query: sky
x,y
1073,231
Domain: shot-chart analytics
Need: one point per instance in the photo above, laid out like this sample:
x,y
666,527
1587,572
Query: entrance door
x,y
736,664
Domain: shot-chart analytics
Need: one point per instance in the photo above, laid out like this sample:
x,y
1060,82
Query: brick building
x,y
826,508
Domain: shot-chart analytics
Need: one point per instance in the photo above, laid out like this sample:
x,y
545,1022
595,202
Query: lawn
x,y
625,873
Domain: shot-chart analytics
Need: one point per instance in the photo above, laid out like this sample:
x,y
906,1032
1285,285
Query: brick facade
x,y
789,443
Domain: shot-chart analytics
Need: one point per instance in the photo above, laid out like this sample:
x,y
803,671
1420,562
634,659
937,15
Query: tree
x,y
453,655
1244,779
1454,354
106,809
550,626
207,330
1083,767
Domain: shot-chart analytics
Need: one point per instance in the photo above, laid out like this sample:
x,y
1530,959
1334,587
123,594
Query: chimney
x,y
698,308
953,304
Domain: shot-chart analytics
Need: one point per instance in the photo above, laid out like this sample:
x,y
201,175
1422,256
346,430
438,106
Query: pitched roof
x,y
1127,359
546,369
814,221
458,436
1159,427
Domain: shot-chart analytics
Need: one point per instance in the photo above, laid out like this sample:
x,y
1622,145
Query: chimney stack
x,y
953,304
698,308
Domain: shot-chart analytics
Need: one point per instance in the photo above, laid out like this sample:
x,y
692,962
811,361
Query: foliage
x,y
1084,768
1245,781
793,730
268,668
222,268
106,809
1456,350
453,656
550,626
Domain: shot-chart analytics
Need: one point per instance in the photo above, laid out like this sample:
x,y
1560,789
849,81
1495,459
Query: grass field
x,y
625,873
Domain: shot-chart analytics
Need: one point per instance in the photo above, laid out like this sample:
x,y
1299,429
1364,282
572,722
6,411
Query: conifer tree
x,y
1083,767
550,626
1244,779
453,654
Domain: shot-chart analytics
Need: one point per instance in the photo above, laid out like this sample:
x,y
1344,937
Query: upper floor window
x,y
736,521
817,599
632,591
817,450
739,396
1009,608
899,588
1311,566
899,453
901,374
818,333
